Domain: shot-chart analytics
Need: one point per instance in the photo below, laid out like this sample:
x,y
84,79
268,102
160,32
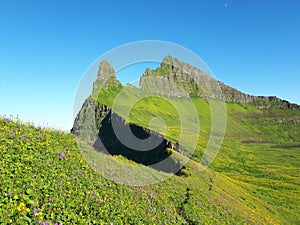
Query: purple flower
x,y
152,195
198,202
6,120
62,155
57,223
34,212
110,170
9,194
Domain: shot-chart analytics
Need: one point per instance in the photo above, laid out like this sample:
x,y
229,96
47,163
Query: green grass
x,y
68,190
255,149
254,180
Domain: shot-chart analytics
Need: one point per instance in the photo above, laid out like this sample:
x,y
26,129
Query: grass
x,y
46,178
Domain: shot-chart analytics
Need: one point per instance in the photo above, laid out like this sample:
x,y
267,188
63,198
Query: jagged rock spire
x,y
106,76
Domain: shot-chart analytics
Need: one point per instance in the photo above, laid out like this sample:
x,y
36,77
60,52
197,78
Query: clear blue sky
x,y
46,46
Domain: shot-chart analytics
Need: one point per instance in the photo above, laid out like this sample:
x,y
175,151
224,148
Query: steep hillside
x,y
45,179
49,177
257,166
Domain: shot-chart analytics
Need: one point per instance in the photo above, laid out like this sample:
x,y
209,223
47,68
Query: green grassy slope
x,y
45,178
254,179
260,153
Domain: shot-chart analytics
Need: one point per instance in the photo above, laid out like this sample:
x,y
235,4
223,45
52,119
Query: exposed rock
x,y
177,79
93,125
87,122
173,78
106,76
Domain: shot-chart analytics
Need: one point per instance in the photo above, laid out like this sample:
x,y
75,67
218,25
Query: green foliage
x,y
254,179
44,177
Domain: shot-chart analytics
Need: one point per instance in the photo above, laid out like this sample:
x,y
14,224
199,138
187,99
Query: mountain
x,y
95,175
256,168
197,83
172,80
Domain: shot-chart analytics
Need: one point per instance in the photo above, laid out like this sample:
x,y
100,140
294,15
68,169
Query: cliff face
x,y
87,122
177,79
96,124
173,78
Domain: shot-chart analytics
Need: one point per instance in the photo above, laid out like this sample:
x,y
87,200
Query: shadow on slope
x,y
158,157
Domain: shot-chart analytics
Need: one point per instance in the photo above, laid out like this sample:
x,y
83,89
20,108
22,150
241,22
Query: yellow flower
x,y
39,214
22,207
16,197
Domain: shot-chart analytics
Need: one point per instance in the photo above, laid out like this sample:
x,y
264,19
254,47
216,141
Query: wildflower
x,y
8,194
6,120
34,212
39,214
22,207
16,197
45,223
152,195
62,155
198,202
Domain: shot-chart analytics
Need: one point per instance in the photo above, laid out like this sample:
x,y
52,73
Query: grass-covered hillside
x,y
49,177
254,180
260,152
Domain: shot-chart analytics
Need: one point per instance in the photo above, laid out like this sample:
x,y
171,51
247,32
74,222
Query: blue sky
x,y
46,46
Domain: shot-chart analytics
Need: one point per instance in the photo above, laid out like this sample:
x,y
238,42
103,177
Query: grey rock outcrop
x,y
177,79
106,76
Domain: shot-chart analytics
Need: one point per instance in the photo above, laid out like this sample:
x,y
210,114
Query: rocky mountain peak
x,y
106,76
169,60
178,79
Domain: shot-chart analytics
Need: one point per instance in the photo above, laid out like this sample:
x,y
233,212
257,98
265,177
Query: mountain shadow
x,y
110,141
